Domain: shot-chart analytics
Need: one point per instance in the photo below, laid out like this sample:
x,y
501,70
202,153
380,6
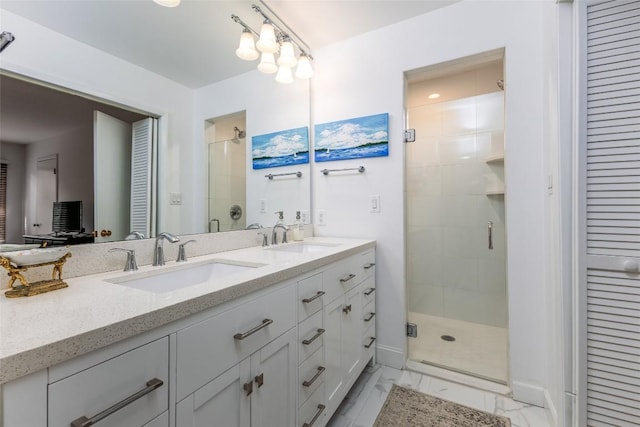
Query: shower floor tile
x,y
479,350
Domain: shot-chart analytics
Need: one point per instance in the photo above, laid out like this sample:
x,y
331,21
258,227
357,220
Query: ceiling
x,y
194,44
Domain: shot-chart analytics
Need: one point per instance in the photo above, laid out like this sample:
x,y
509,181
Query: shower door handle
x,y
490,234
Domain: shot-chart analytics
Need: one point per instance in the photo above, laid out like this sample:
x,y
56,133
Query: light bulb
x,y
267,42
167,3
284,75
247,50
304,70
287,55
268,63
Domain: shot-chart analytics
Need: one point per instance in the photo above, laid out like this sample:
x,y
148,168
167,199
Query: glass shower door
x,y
456,255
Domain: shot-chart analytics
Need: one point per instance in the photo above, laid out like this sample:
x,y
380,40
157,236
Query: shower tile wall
x,y
455,275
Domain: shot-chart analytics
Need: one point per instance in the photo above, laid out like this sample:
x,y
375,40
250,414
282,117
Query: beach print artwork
x,y
352,139
284,148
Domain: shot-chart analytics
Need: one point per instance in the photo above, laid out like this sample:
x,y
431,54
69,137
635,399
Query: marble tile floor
x,y
365,399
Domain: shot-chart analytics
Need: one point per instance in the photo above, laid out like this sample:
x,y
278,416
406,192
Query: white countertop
x,y
40,331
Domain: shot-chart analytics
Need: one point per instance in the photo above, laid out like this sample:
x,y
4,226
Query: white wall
x,y
269,107
370,81
46,55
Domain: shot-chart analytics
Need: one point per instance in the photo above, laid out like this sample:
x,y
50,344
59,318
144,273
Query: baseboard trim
x,y
528,393
390,356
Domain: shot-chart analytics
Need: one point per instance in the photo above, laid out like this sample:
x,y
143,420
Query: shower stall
x,y
455,219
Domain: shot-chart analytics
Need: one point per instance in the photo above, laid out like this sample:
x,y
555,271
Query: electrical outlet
x,y
374,203
322,217
303,217
263,205
175,198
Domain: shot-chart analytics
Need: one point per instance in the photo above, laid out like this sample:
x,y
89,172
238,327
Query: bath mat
x,y
409,408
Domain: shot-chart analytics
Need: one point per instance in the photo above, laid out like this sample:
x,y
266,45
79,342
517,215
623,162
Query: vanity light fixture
x,y
5,39
274,40
167,3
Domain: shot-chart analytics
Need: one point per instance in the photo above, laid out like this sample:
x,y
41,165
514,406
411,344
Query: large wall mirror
x,y
184,159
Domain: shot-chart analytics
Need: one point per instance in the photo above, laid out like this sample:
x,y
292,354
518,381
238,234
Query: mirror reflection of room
x,y
226,190
57,146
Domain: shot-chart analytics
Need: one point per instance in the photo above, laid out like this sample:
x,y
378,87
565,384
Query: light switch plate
x,y
175,198
374,203
322,217
263,205
303,217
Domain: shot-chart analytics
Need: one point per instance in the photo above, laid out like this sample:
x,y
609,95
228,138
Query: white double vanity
x,y
276,342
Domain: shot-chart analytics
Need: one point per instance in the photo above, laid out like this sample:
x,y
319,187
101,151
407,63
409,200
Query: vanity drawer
x,y
369,316
369,341
207,349
310,376
103,386
310,296
313,413
342,277
310,336
368,264
368,291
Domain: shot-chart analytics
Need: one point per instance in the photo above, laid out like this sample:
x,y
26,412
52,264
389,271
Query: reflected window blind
x,y
613,213
3,202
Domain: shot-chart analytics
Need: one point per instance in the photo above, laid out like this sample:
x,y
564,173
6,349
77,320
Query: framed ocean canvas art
x,y
352,139
283,148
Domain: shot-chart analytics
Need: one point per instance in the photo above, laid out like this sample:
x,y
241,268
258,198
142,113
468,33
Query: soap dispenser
x,y
298,228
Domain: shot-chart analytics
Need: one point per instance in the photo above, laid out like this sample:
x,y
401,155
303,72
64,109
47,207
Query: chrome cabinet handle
x,y
370,343
313,298
368,266
86,422
370,291
346,309
371,316
315,417
315,377
490,231
347,278
240,336
319,332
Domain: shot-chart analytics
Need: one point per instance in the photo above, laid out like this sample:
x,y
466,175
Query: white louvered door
x,y
143,134
611,346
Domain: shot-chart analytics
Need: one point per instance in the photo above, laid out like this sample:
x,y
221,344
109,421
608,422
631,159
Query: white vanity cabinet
x,y
238,367
347,333
257,392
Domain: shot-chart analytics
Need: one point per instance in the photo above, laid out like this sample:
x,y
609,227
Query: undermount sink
x,y
303,248
179,278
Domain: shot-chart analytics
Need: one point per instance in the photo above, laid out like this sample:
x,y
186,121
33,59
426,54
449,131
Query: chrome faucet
x,y
134,235
283,226
158,253
131,264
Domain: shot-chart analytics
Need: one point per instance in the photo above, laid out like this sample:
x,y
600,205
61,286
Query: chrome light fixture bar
x,y
5,40
274,39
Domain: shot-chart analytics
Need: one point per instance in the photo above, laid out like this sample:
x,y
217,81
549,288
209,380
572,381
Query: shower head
x,y
239,133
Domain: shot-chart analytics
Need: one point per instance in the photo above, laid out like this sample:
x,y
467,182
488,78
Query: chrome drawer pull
x,y
370,291
86,422
264,324
315,417
319,332
315,377
371,316
313,298
347,278
368,266
370,343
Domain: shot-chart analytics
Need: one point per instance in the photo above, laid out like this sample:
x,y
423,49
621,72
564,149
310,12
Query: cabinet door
x,y
334,378
223,402
273,402
351,333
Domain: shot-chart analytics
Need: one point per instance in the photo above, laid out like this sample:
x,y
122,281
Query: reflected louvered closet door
x,y
613,213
